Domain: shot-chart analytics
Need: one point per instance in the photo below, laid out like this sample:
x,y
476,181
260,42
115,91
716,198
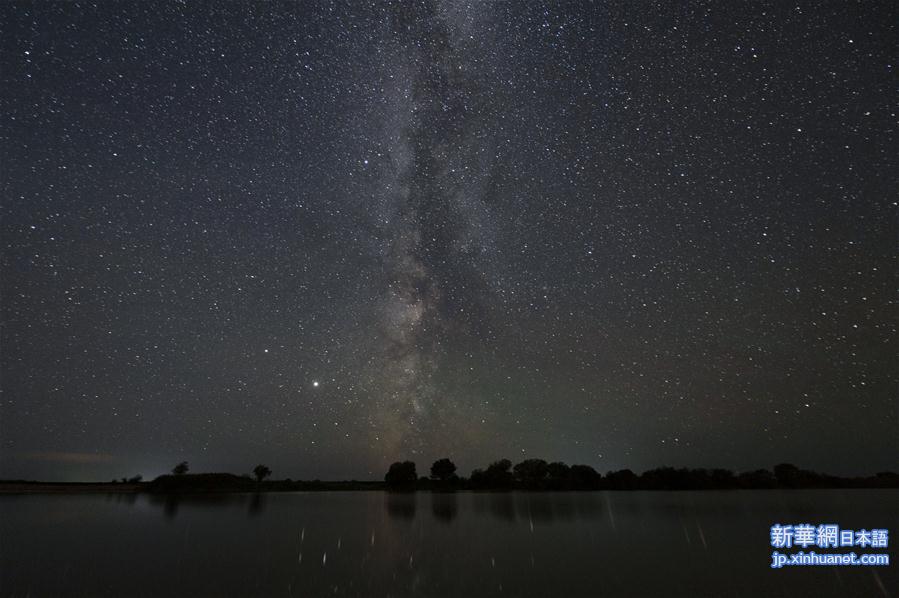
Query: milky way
x,y
434,223
326,236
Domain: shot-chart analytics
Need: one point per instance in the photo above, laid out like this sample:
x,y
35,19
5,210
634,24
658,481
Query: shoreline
x,y
20,488
68,488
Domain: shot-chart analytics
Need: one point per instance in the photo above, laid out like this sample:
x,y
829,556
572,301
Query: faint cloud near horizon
x,y
66,457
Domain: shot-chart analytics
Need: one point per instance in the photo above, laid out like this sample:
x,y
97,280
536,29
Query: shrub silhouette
x,y
668,478
787,475
401,474
201,482
760,478
261,472
443,470
723,478
181,468
885,479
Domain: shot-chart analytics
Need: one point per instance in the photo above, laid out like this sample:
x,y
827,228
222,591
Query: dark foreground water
x,y
466,544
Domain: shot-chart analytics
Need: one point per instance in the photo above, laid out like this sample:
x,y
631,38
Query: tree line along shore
x,y
501,475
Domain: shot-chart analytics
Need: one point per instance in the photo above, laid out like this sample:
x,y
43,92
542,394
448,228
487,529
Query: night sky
x,y
328,236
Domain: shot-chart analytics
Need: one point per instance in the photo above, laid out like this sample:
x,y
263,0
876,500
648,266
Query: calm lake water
x,y
465,544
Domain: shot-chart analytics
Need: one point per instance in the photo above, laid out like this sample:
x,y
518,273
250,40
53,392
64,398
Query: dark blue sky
x,y
327,236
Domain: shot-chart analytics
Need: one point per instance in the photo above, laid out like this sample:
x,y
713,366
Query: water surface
x,y
463,544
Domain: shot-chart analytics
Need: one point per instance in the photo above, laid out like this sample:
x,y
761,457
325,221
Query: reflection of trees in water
x,y
170,503
506,506
444,506
502,506
170,506
498,504
548,507
257,504
538,506
125,498
588,505
401,505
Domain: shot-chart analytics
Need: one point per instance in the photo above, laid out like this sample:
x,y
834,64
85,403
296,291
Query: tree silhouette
x,y
443,469
401,474
261,472
497,475
532,473
478,478
624,479
664,478
584,477
558,473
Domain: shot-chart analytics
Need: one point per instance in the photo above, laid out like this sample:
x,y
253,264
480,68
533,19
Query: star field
x,y
327,236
